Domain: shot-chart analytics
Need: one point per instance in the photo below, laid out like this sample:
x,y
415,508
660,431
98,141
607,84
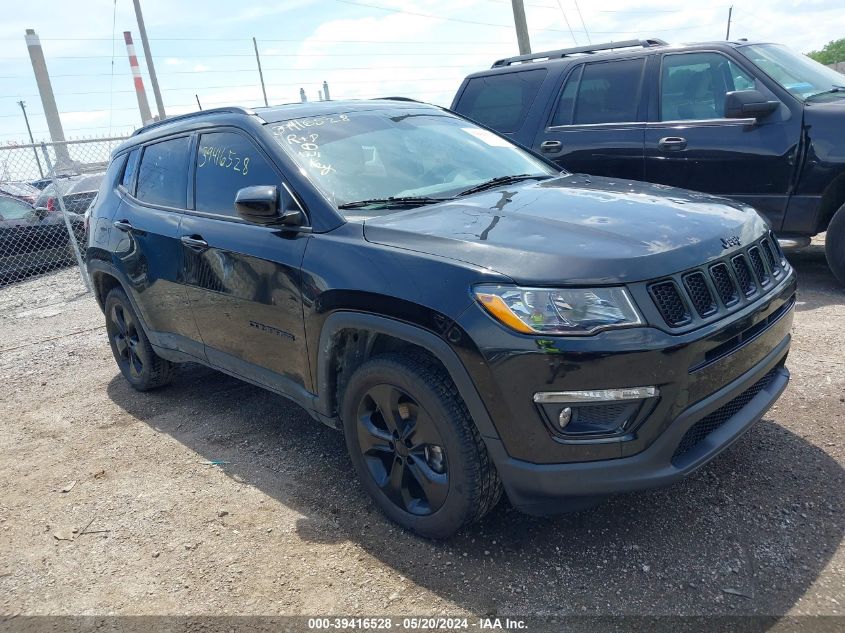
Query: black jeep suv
x,y
752,121
475,320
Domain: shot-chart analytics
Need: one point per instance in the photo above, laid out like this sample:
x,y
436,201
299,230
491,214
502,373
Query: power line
x,y
225,55
111,74
390,53
434,17
584,24
251,85
262,39
256,101
568,25
266,68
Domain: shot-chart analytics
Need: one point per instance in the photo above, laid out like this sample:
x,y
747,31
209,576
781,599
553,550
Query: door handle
x,y
123,225
195,242
672,143
550,146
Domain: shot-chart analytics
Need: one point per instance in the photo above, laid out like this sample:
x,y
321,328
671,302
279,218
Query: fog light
x,y
564,417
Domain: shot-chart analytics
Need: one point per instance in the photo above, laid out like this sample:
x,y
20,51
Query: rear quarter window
x,y
126,180
501,101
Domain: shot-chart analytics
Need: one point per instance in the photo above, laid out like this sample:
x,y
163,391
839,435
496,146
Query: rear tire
x,y
139,364
835,245
415,447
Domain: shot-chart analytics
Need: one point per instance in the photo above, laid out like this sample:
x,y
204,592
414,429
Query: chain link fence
x,y
45,191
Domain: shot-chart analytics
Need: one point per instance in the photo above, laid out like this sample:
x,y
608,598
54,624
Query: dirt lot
x,y
283,528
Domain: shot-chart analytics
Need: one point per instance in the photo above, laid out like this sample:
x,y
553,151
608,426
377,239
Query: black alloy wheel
x,y
125,338
414,445
135,356
402,450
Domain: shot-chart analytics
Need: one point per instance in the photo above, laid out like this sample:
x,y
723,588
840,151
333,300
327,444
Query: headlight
x,y
570,311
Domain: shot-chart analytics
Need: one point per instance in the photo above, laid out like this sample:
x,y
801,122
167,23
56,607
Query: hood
x,y
574,229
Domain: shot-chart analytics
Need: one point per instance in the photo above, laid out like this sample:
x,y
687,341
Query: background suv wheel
x,y
835,245
415,447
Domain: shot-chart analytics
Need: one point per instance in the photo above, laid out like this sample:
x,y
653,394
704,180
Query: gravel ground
x,y
108,505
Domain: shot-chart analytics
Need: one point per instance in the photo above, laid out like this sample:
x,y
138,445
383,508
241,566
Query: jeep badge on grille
x,y
733,240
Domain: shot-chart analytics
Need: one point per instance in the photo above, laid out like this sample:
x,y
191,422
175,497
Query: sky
x,y
362,48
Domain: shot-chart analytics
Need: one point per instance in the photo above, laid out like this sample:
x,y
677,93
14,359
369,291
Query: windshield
x,y
799,74
400,153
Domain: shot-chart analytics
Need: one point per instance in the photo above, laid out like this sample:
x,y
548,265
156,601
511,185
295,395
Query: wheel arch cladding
x,y
348,339
103,283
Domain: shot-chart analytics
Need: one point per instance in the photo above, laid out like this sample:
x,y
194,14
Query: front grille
x,y
770,257
699,293
706,425
724,284
712,291
743,275
759,267
778,250
668,300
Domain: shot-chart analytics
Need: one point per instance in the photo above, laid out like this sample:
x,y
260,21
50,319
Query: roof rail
x,y
593,48
395,99
190,115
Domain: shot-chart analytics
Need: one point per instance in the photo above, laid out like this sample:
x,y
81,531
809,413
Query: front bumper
x,y
549,488
704,404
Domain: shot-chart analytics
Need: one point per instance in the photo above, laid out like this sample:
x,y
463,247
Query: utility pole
x,y
521,27
149,57
730,12
48,99
260,74
22,104
143,104
326,91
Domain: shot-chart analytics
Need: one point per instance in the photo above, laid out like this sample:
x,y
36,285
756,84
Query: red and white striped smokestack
x,y
143,104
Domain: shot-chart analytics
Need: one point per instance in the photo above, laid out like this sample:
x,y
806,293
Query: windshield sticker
x,y
487,136
223,157
303,124
309,150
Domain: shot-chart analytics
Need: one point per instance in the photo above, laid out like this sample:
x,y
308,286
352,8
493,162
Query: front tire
x,y
415,447
139,364
835,245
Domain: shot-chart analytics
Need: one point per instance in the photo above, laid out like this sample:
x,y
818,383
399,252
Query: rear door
x,y
597,122
243,279
689,143
146,241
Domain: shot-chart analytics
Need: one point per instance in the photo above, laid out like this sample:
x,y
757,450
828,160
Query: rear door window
x,y
163,173
501,101
226,163
609,92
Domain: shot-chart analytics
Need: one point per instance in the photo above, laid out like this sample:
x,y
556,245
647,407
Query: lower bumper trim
x,y
555,488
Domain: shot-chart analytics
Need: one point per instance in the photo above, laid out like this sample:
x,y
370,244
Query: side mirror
x,y
260,204
744,104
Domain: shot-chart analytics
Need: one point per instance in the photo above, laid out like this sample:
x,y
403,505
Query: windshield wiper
x,y
501,180
402,201
832,90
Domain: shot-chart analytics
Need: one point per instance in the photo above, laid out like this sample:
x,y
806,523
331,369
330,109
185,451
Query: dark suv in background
x,y
474,319
753,121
